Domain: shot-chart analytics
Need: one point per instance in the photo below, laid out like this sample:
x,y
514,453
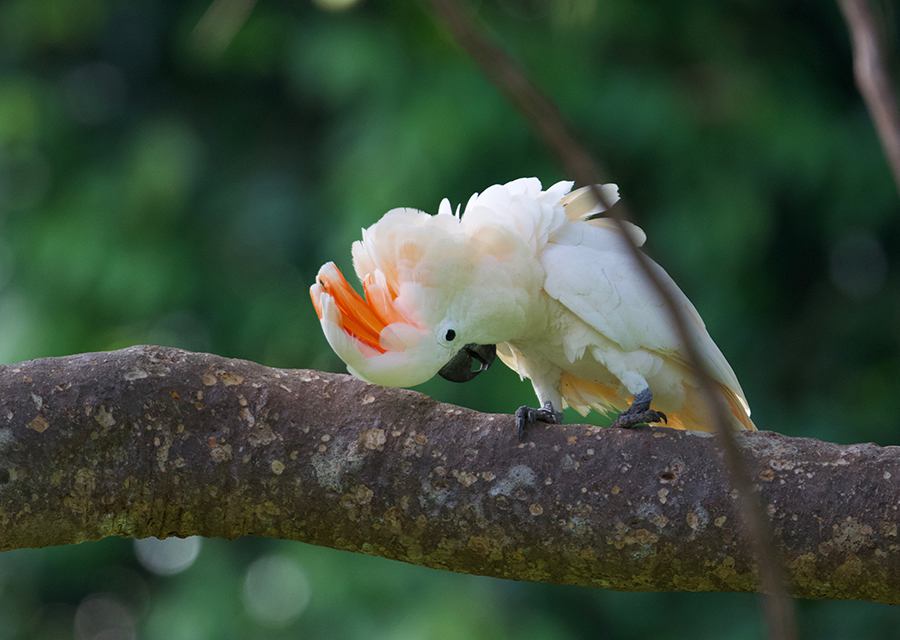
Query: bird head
x,y
433,300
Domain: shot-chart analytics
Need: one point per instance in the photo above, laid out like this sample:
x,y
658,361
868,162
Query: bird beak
x,y
471,360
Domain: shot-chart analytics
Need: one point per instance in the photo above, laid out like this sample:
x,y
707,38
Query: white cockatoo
x,y
537,276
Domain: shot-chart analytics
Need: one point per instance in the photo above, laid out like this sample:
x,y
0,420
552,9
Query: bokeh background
x,y
175,173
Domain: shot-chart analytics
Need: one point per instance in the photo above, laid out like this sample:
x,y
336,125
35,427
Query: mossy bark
x,y
153,441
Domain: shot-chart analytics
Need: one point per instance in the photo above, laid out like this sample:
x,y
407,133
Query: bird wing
x,y
589,271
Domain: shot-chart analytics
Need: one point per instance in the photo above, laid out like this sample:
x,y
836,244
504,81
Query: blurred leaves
x,y
159,187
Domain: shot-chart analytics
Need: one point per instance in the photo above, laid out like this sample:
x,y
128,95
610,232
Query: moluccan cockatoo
x,y
537,277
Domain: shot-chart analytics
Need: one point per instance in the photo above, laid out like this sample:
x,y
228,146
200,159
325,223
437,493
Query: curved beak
x,y
471,360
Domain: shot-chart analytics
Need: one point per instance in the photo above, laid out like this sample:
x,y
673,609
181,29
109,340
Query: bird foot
x,y
639,412
627,420
529,415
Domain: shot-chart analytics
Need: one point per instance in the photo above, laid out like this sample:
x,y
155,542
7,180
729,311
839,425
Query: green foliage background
x,y
156,187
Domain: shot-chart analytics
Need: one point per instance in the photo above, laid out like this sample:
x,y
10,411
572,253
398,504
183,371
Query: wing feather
x,y
598,281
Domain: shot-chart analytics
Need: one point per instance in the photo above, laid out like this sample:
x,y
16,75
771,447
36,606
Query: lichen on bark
x,y
157,441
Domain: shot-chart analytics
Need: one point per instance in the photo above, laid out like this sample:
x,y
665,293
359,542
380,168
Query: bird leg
x,y
528,415
639,412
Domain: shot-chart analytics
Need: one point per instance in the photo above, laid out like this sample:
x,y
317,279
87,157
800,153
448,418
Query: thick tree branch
x,y
156,441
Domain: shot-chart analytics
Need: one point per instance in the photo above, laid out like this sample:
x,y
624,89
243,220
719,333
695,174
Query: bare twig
x,y
872,77
219,25
152,441
549,124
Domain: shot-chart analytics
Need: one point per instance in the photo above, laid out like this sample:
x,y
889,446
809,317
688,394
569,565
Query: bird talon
x,y
639,413
623,422
528,415
522,420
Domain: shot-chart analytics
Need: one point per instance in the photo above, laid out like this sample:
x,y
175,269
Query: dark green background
x,y
161,183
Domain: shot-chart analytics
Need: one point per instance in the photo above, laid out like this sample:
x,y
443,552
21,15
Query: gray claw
x,y
639,412
529,415
627,420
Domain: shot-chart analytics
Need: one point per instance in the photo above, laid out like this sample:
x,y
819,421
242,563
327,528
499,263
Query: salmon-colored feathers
x,y
359,317
363,317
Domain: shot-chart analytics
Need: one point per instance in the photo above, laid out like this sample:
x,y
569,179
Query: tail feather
x,y
583,395
738,408
695,415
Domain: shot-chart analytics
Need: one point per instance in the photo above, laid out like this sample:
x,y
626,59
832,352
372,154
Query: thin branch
x,y
219,25
872,77
549,124
153,441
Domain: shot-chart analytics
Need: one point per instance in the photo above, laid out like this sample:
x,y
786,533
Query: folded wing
x,y
590,272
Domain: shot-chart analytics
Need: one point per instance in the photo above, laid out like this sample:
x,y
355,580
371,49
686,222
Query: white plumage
x,y
525,269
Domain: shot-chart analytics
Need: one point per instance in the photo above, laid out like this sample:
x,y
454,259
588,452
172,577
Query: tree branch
x,y
873,79
152,441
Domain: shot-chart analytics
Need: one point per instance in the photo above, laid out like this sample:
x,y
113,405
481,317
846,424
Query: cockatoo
x,y
542,280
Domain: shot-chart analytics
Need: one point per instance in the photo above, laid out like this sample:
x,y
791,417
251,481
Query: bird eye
x,y
450,336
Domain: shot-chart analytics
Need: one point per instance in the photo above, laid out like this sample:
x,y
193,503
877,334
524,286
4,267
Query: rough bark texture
x,y
153,441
